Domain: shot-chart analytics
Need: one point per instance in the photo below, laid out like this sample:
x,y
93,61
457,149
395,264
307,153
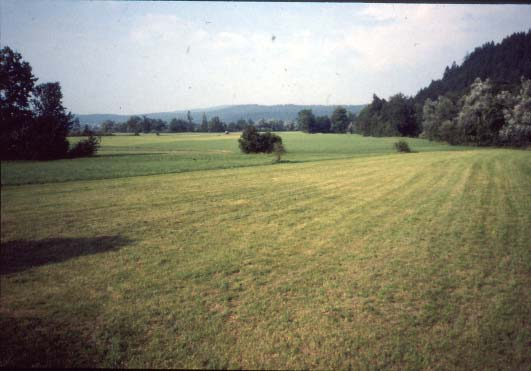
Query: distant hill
x,y
504,63
255,112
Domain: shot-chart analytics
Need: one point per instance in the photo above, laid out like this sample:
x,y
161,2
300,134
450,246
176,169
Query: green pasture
x,y
368,260
128,155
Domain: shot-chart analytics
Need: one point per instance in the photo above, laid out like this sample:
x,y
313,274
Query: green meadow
x,y
126,155
177,251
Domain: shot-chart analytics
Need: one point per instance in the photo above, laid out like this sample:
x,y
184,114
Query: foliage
x,y
306,121
503,63
402,146
434,114
215,125
180,126
395,117
85,148
322,124
16,84
339,120
203,127
484,116
517,114
251,141
338,123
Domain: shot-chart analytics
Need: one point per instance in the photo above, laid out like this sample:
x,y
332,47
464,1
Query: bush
x,y
402,146
85,148
251,141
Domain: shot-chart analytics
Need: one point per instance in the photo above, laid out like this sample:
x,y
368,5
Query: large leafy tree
x,y
435,113
481,116
16,84
33,121
339,120
47,137
306,121
517,129
400,114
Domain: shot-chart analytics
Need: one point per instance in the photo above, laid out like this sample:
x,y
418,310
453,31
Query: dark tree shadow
x,y
19,255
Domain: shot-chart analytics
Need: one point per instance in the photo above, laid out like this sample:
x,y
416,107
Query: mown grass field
x,y
122,156
370,259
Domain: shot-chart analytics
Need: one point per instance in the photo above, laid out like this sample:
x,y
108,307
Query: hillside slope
x,y
255,112
504,63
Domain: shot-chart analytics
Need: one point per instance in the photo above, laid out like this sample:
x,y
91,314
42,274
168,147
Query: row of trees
x,y
33,121
484,116
484,101
143,124
340,122
395,117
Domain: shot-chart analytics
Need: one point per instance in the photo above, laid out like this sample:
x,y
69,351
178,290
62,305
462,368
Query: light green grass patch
x,y
390,261
123,156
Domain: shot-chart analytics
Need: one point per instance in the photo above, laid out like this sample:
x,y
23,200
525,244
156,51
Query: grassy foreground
x,y
420,260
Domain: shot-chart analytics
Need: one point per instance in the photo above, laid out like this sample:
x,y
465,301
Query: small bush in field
x,y
251,141
85,148
402,146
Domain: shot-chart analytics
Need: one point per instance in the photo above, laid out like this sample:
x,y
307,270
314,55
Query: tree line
x,y
142,124
484,101
33,121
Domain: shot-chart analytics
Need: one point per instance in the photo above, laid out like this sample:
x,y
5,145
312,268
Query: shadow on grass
x,y
19,255
288,162
129,154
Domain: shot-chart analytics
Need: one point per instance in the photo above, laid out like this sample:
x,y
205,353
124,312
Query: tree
x,y
108,126
178,125
190,119
306,121
134,124
481,116
204,124
434,114
339,120
47,136
251,141
322,124
215,125
16,84
517,130
400,113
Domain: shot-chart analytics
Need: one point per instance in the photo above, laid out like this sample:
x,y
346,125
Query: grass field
x,y
370,259
122,156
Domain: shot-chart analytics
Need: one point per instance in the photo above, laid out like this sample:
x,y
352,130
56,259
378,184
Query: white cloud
x,y
165,56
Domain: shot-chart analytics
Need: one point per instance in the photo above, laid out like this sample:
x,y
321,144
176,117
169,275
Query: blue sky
x,y
139,57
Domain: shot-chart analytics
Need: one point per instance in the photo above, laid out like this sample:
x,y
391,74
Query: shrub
x,y
85,148
402,146
251,141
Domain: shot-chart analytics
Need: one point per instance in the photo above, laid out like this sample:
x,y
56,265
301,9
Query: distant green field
x,y
122,156
368,260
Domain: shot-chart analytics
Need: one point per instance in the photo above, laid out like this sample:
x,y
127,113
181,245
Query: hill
x,y
504,63
255,112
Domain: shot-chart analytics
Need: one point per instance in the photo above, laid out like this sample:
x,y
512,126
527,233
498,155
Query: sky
x,y
142,57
